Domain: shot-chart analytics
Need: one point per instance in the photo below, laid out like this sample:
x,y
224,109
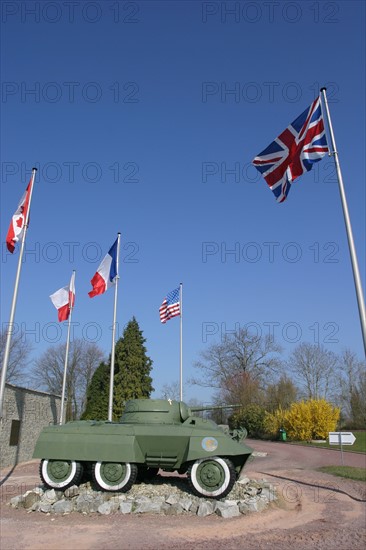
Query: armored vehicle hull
x,y
152,434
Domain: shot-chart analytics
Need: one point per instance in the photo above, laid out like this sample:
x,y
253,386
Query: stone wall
x,y
25,413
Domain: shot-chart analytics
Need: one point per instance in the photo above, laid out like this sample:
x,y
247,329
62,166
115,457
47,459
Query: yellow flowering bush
x,y
274,421
324,418
304,420
312,419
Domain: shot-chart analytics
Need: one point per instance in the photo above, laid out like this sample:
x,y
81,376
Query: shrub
x,y
273,422
313,419
298,422
251,417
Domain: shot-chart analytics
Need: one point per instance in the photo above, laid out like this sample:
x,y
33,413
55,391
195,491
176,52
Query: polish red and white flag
x,y
64,299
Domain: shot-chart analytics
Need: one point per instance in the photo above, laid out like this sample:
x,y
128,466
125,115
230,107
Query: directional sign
x,y
341,438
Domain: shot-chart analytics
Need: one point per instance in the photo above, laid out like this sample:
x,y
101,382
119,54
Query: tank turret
x,y
151,434
155,411
163,411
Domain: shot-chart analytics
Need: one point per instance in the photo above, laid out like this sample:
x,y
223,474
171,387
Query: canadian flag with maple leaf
x,y
17,224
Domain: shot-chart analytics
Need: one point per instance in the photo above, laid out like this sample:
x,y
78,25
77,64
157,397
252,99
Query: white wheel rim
x,y
198,486
107,486
53,483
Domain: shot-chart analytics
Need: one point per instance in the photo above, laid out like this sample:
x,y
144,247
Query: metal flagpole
x,y
181,338
62,416
111,383
14,302
352,249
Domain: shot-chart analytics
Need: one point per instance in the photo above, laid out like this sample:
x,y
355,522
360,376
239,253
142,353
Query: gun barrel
x,y
215,408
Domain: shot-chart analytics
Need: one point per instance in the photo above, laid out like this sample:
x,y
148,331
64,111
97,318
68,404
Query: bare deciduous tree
x,y
241,357
314,369
242,389
20,349
48,372
171,391
352,384
281,394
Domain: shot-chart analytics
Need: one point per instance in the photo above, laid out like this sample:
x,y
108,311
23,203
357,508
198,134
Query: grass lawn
x,y
358,446
357,474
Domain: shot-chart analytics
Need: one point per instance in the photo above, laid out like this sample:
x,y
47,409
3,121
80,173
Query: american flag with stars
x,y
294,151
171,306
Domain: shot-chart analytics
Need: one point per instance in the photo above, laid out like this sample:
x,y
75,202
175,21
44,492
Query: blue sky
x,y
143,118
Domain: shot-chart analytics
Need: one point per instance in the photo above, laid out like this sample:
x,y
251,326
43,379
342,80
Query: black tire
x,y
60,474
114,476
211,477
87,472
146,474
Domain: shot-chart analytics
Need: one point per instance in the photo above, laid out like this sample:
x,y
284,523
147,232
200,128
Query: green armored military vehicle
x,y
151,434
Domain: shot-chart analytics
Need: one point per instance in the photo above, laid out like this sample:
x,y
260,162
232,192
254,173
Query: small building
x,y
25,413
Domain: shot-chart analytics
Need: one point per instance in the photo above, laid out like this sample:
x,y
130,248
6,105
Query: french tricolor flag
x,y
107,272
64,299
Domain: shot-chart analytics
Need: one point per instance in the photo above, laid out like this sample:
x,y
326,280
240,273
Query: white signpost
x,y
341,438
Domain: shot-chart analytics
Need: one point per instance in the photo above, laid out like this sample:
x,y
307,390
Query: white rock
x,y
205,508
125,507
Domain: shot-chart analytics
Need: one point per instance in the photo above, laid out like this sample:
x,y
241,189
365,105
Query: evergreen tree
x,y
132,368
98,394
132,379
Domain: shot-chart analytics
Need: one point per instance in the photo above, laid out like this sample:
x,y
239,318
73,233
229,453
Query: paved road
x,y
285,455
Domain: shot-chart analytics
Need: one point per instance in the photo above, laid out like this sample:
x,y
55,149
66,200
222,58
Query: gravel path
x,y
315,510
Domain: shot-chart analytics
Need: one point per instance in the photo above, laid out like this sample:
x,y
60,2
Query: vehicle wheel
x,y
114,476
211,477
60,474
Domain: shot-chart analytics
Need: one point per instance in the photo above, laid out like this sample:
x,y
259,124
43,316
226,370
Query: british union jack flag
x,y
294,151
